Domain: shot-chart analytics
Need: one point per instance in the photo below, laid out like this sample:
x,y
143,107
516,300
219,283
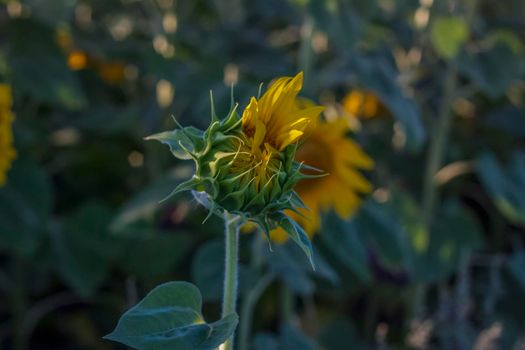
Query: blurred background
x,y
433,256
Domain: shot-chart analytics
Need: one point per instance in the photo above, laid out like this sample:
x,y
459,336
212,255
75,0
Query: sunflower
x,y
329,149
245,164
7,151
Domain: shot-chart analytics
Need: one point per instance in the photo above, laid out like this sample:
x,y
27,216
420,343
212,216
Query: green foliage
x,y
170,317
33,48
448,35
84,249
25,204
85,232
506,185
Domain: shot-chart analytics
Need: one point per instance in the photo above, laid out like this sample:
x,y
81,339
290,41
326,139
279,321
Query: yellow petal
x,y
356,156
346,202
260,133
353,178
250,115
288,138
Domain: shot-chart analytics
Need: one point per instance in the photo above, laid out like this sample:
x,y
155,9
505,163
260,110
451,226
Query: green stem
x,y
438,143
247,307
232,224
434,162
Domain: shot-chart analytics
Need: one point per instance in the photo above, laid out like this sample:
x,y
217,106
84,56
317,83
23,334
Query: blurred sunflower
x,y
7,151
329,149
365,104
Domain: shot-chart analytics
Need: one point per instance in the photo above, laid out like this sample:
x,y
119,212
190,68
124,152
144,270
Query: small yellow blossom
x,y
77,60
7,151
330,150
362,104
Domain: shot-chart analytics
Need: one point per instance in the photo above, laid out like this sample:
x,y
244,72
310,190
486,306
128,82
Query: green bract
x,y
227,177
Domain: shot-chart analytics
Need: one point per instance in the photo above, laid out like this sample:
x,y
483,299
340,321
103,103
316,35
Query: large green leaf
x,y
169,317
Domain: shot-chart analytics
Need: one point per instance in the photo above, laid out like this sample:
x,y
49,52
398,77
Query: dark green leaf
x,y
169,317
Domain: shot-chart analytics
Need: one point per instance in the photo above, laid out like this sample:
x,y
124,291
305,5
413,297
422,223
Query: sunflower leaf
x,y
170,317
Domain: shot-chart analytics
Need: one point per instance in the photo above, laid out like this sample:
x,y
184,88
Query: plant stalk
x,y
248,305
434,162
438,144
232,225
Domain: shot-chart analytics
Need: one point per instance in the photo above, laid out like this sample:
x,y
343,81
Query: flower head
x,y
329,149
245,165
7,151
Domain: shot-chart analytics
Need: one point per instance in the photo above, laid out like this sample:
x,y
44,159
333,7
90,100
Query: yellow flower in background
x,y
77,60
272,123
362,104
7,151
329,149
111,71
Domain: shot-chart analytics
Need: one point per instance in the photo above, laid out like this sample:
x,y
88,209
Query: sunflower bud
x,y
245,165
